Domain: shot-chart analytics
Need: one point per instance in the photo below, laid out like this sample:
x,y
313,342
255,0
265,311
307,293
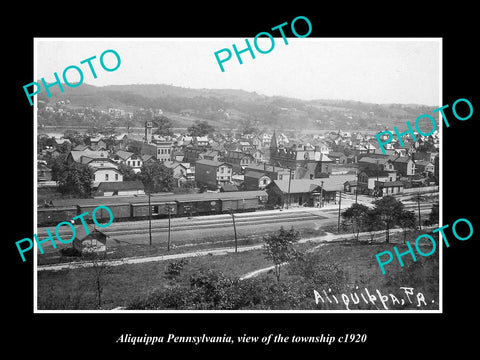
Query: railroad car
x,y
126,208
120,212
54,215
160,208
202,206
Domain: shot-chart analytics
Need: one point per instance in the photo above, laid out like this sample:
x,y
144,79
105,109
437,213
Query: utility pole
x,y
169,216
356,189
149,219
289,182
339,206
235,231
321,195
419,217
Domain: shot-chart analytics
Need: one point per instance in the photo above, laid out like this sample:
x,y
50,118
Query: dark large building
x,y
307,160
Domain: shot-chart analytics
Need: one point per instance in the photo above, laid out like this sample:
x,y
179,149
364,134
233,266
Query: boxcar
x,y
53,215
159,209
243,201
120,211
197,206
249,204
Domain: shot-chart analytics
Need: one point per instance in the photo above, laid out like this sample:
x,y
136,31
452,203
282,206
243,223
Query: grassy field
x,y
345,266
118,250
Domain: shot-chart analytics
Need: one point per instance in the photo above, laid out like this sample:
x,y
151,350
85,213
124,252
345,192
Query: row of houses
x,y
220,163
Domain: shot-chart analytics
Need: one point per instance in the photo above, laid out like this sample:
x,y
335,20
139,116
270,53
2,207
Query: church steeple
x,y
273,142
273,149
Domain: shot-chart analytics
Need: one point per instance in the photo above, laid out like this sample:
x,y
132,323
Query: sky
x,y
383,70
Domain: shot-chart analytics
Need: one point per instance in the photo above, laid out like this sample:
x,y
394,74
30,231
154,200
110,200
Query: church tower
x,y
273,146
276,156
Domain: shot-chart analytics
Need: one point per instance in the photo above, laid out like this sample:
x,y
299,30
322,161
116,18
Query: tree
x,y
406,220
57,165
110,141
73,179
75,137
99,271
156,177
127,172
371,222
427,146
389,210
64,148
248,126
200,128
164,125
356,215
279,248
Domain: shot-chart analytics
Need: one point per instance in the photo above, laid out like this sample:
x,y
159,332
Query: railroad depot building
x,y
306,192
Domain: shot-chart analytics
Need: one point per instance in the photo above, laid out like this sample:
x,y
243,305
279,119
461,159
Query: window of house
x,y
116,177
106,177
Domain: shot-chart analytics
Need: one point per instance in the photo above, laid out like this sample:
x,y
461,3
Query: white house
x,y
130,159
105,170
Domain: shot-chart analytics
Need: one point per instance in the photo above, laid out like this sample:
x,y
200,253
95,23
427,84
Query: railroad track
x,y
205,222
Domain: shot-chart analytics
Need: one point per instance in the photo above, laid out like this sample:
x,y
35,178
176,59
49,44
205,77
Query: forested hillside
x,y
225,108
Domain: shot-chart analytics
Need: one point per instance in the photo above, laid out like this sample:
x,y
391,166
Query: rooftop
x,y
332,183
210,162
121,185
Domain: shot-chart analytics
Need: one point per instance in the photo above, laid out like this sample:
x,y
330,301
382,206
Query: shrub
x,y
174,268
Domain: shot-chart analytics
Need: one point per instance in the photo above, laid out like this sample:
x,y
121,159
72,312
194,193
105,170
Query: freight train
x,y
130,208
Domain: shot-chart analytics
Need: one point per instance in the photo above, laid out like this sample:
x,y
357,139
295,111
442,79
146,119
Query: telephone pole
x,y
321,195
339,206
356,189
235,231
419,217
289,182
149,219
169,217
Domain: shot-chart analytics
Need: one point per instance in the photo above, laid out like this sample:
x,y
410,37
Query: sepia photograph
x,y
276,174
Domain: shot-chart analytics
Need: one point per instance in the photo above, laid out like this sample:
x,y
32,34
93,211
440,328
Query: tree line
x,y
386,213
